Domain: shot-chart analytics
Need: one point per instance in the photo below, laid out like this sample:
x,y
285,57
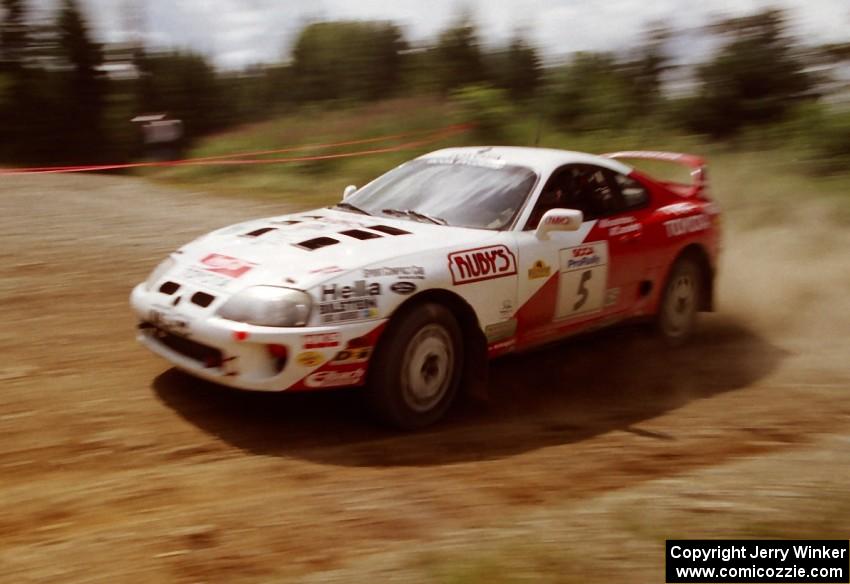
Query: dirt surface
x,y
114,468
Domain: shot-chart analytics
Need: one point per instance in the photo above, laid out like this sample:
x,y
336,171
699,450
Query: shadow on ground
x,y
561,394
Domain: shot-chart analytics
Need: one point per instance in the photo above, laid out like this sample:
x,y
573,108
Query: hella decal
x,y
349,303
226,265
403,288
483,263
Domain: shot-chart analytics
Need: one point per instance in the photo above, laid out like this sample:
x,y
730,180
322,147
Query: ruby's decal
x,y
483,263
226,265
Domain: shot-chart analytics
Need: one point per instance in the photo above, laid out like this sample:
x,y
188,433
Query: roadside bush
x,y
488,108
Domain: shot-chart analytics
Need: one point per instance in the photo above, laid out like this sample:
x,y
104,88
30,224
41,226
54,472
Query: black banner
x,y
757,560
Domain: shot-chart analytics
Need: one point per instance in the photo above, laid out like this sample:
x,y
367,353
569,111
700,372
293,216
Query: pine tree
x,y
84,84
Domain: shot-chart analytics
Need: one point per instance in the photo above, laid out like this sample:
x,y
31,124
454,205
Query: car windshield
x,y
447,192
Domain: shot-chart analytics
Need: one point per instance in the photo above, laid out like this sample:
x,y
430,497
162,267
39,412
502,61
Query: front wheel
x,y
680,302
414,377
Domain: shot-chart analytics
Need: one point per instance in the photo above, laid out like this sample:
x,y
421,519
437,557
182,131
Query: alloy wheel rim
x,y
427,368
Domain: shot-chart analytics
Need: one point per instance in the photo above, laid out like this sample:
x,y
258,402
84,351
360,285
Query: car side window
x,y
595,191
558,193
633,193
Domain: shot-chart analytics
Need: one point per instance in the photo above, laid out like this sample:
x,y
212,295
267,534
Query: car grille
x,y
204,354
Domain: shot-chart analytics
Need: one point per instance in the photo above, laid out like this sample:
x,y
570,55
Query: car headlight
x,y
158,272
268,306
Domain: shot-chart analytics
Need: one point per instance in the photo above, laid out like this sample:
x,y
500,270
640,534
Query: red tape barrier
x,y
431,136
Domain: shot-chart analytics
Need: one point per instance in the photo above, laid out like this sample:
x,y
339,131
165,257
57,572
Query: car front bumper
x,y
253,357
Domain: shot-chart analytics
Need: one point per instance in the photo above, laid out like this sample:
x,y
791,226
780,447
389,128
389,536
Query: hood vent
x,y
202,299
259,232
360,234
169,288
389,230
316,243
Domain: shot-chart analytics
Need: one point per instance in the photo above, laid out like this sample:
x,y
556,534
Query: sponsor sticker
x,y
507,308
612,296
226,265
327,270
483,263
330,378
686,225
357,301
321,341
356,355
620,225
540,269
405,272
679,208
584,256
204,278
502,346
403,288
500,330
310,358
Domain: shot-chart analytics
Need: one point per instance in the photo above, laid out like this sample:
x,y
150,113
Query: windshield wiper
x,y
351,207
416,215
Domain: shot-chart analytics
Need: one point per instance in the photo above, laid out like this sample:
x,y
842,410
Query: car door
x,y
573,280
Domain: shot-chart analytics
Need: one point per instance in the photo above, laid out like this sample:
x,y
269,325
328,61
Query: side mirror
x,y
558,220
348,191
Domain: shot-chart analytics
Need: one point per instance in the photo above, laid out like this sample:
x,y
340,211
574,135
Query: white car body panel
x,y
359,280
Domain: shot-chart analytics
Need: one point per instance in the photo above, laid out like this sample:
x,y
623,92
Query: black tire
x,y
680,302
415,374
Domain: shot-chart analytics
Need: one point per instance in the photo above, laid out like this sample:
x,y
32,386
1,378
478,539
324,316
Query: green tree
x,y
589,93
185,86
347,60
517,69
14,35
756,77
457,58
644,73
84,85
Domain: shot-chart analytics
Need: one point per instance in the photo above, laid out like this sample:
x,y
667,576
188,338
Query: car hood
x,y
305,249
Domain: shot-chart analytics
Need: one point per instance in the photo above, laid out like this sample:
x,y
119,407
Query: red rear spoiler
x,y
697,165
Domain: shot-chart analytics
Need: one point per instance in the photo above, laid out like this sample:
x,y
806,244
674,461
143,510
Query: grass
x,y
743,176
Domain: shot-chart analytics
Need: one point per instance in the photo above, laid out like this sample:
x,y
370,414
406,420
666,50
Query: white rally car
x,y
411,282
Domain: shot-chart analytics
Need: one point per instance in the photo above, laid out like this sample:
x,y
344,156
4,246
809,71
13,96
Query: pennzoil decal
x,y
482,263
310,358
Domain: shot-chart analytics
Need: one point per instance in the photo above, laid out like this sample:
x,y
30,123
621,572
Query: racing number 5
x,y
582,289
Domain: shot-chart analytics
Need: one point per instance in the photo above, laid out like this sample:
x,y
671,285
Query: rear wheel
x,y
680,302
415,374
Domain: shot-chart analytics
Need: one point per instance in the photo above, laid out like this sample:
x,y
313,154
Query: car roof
x,y
541,160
